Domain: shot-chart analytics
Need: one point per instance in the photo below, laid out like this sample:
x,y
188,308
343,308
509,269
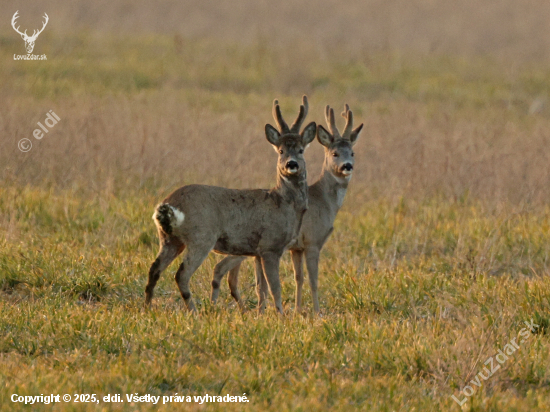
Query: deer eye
x,y
280,151
335,154
352,154
301,151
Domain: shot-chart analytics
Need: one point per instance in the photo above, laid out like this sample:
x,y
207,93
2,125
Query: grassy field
x,y
439,256
415,297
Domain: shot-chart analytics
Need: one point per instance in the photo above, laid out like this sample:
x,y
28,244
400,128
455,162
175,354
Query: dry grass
x,y
134,114
440,253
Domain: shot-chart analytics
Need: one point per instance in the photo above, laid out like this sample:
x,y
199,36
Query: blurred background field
x,y
440,252
454,95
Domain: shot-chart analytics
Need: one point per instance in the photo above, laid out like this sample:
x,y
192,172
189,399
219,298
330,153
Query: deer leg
x,y
226,264
167,253
233,282
191,262
270,264
261,284
312,264
297,258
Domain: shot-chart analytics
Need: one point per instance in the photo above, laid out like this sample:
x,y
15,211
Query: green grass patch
x,y
412,294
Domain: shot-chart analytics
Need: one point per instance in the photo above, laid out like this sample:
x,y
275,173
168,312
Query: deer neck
x,y
293,189
334,188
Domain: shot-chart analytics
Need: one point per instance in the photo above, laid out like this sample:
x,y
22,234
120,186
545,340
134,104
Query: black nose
x,y
347,166
292,164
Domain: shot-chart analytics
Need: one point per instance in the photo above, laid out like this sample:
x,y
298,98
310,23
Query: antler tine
x,y
37,32
349,122
46,22
304,108
283,127
331,122
14,18
346,110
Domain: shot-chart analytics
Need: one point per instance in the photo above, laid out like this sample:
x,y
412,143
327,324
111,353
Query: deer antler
x,y
304,108
348,115
283,126
331,123
15,17
35,33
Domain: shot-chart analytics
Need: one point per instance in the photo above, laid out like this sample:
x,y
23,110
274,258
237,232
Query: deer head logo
x,y
29,40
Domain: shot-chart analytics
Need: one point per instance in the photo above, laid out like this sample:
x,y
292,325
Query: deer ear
x,y
272,135
355,134
324,137
308,133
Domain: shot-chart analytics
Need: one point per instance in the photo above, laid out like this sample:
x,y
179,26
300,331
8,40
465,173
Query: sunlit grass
x,y
412,295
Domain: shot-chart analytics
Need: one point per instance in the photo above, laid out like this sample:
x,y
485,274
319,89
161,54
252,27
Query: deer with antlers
x,y
325,197
29,40
258,223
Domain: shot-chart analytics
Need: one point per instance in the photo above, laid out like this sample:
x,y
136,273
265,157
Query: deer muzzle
x,y
292,166
346,169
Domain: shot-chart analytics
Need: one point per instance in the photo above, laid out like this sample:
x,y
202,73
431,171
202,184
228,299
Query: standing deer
x,y
325,199
257,222
29,40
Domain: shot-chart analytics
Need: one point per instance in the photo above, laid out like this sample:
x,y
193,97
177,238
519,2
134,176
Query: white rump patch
x,y
179,216
176,217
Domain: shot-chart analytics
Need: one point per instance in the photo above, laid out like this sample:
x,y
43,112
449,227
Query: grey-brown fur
x,y
254,222
325,199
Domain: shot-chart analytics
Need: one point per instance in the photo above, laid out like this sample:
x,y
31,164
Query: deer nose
x,y
292,165
346,167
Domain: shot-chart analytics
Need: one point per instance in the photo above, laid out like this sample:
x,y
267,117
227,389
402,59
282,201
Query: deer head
x,y
288,142
29,40
339,147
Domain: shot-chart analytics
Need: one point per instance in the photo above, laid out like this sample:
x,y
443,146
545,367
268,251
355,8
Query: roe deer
x,y
325,199
252,222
